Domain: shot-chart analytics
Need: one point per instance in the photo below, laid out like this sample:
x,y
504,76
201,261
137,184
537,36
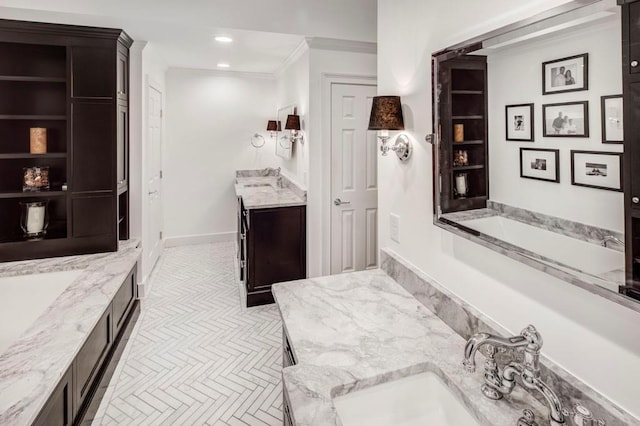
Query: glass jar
x,y
34,218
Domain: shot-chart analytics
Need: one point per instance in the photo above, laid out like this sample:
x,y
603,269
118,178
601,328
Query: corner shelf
x,y
32,194
14,156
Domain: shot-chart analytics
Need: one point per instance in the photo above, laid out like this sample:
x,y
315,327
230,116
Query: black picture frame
x,y
556,157
607,136
509,121
618,176
546,131
577,63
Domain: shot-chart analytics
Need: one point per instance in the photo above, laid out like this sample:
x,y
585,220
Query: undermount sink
x,y
421,399
255,185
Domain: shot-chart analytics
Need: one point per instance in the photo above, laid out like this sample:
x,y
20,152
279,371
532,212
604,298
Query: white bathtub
x,y
581,255
24,298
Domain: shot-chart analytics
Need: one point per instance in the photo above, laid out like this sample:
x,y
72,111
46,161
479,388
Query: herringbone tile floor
x,y
196,355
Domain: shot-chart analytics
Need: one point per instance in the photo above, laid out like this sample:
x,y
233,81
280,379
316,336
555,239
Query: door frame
x,y
147,269
328,80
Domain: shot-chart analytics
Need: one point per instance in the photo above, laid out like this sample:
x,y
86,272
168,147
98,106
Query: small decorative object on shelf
x,y
462,185
36,178
458,132
38,139
34,219
460,158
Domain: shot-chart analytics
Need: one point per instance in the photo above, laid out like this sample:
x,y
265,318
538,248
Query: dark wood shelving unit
x,y
463,101
66,79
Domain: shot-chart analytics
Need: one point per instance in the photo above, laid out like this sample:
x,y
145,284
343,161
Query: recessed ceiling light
x,y
224,39
223,65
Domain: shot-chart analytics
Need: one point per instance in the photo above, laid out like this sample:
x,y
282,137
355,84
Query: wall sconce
x,y
293,124
273,126
386,114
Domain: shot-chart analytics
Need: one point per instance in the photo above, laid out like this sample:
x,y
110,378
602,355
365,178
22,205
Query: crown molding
x,y
226,73
323,43
294,56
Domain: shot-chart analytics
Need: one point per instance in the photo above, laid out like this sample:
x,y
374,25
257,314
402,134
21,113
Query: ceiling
x,y
265,33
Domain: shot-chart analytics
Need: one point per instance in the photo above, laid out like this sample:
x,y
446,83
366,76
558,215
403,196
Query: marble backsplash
x,y
271,172
466,321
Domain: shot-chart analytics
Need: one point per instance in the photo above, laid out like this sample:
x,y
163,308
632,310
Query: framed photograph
x,y
596,169
540,164
565,75
519,122
612,127
566,120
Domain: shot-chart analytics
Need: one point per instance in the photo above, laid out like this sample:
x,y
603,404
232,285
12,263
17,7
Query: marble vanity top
x,y
34,364
352,331
260,192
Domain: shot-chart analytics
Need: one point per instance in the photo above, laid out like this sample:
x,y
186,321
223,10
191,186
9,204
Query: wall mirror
x,y
528,123
284,146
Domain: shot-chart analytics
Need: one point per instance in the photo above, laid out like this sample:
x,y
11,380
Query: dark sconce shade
x,y
386,113
272,126
293,122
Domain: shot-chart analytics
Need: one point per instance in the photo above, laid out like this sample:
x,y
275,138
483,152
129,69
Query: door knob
x,y
339,202
635,200
153,192
634,64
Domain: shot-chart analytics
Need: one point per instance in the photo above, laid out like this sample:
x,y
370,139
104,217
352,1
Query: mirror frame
x,y
514,252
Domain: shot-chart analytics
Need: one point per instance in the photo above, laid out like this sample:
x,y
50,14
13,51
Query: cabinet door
x,y
93,139
58,409
632,140
122,145
123,301
93,74
93,216
88,361
122,81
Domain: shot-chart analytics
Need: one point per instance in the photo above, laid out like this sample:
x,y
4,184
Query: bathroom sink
x,y
421,399
255,185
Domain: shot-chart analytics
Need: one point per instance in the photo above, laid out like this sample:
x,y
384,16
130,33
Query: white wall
x,y
591,337
515,78
210,117
293,89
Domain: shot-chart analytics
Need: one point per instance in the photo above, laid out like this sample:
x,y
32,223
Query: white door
x,y
153,176
354,180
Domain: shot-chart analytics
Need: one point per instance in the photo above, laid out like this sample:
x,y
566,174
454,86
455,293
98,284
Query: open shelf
x,y
33,79
15,156
467,92
476,167
467,117
32,117
32,194
474,142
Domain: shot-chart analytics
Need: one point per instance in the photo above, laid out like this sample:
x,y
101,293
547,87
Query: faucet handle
x,y
582,416
527,419
533,337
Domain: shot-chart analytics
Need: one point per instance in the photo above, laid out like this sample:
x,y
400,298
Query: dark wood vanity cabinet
x,y
74,82
58,410
631,159
463,106
272,248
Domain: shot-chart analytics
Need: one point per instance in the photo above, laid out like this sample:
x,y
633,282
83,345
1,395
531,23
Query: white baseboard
x,y
188,240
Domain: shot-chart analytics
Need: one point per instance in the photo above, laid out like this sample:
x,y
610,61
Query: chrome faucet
x,y
611,238
498,384
269,171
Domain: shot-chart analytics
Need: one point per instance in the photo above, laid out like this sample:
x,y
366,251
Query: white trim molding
x,y
189,240
324,43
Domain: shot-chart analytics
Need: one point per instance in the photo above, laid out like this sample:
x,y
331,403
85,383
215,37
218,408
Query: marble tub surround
x,y
259,191
466,321
33,365
352,331
65,263
577,230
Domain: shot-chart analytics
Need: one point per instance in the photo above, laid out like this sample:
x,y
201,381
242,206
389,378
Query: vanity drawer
x,y
58,409
123,301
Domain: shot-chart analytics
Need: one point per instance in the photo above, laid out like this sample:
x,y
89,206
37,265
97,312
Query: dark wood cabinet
x,y
74,82
123,302
272,249
631,158
58,410
463,105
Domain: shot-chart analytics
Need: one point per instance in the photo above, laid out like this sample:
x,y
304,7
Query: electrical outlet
x,y
394,227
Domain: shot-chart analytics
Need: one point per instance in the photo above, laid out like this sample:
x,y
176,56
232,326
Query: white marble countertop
x,y
259,192
34,364
352,331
